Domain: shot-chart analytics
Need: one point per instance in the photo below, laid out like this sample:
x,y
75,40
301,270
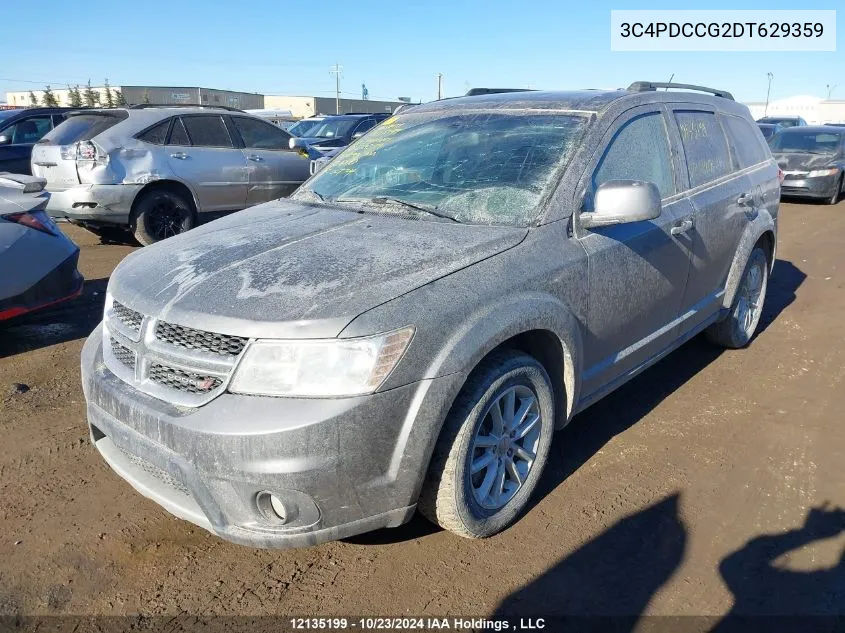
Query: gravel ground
x,y
697,489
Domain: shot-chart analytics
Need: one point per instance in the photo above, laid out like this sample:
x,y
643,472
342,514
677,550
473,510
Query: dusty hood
x,y
802,161
287,269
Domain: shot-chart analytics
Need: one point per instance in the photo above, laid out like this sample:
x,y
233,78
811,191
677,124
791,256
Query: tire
x,y
738,328
452,497
161,213
836,192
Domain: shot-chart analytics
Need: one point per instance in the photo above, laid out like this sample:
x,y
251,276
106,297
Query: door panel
x,y
637,272
217,175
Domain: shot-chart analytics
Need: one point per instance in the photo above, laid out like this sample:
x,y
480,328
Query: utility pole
x,y
830,89
336,72
439,86
768,92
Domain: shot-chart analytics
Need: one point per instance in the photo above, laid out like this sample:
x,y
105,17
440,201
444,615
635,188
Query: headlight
x,y
327,368
823,172
292,142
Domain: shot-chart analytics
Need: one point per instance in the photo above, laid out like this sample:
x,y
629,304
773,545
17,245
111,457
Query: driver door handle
x,y
255,158
179,155
681,227
745,200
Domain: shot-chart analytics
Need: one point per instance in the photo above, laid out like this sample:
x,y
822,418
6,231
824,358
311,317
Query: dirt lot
x,y
652,504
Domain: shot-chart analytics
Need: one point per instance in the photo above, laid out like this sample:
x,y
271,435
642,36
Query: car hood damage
x,y
294,270
793,161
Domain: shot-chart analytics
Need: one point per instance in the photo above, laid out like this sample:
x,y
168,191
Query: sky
x,y
396,47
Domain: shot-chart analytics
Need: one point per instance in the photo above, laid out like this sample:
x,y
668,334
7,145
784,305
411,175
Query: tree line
x,y
85,97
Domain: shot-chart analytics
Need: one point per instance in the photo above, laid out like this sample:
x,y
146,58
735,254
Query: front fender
x,y
763,223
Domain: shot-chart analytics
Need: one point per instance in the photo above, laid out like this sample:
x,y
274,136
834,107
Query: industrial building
x,y
813,110
302,107
148,94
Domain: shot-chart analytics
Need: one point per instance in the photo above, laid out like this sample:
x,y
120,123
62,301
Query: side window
x,y
745,143
260,135
365,125
639,151
704,145
157,134
178,135
207,131
29,130
58,118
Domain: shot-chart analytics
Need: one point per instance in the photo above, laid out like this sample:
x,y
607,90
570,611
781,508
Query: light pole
x,y
768,92
336,72
830,89
439,85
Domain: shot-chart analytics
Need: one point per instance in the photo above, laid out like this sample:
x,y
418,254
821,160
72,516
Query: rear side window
x,y
83,127
156,134
745,143
178,135
704,145
207,131
639,151
29,130
260,135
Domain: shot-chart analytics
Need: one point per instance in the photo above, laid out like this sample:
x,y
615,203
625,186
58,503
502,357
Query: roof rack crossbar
x,y
650,86
142,106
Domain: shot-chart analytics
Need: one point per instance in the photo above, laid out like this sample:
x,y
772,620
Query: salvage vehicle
x,y
813,161
37,260
770,129
336,131
784,121
20,130
409,328
156,170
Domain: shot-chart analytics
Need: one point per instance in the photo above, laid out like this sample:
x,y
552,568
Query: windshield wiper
x,y
311,192
428,210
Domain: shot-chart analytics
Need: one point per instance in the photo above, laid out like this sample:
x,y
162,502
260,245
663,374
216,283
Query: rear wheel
x,y
159,214
738,328
836,192
492,449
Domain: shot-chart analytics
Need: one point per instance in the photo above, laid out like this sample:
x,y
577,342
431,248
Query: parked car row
x,y
20,129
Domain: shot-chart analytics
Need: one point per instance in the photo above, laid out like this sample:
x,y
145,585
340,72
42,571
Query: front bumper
x,y
818,187
105,204
340,466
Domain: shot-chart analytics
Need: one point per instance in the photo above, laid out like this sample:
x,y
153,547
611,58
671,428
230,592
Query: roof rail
x,y
143,106
650,86
474,92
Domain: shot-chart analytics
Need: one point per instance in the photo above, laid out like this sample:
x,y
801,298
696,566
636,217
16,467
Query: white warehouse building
x,y
813,110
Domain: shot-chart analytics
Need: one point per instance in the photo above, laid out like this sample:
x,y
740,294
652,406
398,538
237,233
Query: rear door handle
x,y
255,157
745,200
179,155
681,228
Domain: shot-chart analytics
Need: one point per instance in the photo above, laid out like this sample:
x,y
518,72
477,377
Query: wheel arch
x,y
175,186
762,230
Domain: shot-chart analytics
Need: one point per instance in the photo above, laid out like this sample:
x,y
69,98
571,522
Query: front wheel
x,y
159,214
738,328
837,191
492,449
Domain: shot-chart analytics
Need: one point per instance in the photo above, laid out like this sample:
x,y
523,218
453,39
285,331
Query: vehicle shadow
x,y
623,408
607,583
66,321
769,596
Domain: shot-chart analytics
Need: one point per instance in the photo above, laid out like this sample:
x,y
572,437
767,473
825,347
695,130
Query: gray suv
x,y
157,169
410,327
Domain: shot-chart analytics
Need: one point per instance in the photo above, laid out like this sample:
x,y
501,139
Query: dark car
x,y
20,130
785,121
812,159
770,129
336,131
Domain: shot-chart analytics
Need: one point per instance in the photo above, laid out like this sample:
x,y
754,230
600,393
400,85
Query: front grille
x,y
127,316
162,475
123,354
200,340
181,380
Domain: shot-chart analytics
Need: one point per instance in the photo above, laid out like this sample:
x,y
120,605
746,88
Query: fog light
x,y
274,509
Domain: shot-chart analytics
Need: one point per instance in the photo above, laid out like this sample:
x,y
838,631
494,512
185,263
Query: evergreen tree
x,y
33,100
146,95
109,96
90,97
121,100
48,98
74,97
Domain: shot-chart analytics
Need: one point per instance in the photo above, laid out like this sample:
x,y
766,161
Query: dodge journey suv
x,y
156,169
409,328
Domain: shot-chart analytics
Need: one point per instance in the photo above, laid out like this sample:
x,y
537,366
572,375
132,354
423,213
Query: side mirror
x,y
357,135
621,202
5,139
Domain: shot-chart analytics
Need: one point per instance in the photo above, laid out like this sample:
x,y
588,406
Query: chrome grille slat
x,y
203,341
182,380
